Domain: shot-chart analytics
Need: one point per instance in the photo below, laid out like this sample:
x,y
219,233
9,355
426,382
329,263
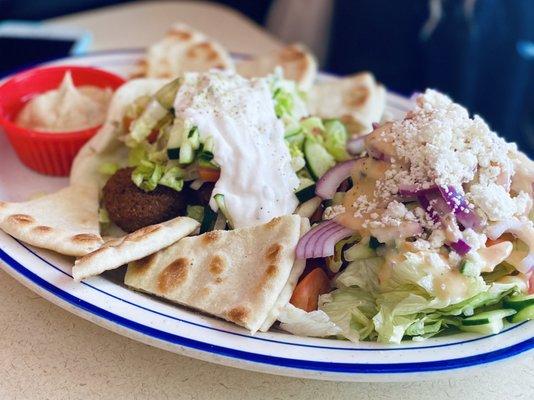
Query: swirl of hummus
x,y
67,108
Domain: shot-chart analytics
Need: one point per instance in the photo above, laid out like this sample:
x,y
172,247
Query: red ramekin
x,y
44,152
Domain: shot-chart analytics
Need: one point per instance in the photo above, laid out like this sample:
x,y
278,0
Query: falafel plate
x,y
266,198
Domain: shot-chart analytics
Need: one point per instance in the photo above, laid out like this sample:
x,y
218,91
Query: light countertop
x,y
48,353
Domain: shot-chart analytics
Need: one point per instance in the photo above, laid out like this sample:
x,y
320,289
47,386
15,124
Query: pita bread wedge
x,y
65,221
358,100
237,275
297,63
183,49
287,291
134,246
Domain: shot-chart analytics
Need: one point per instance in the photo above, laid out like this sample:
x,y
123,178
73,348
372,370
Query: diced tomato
x,y
308,290
209,174
153,136
507,237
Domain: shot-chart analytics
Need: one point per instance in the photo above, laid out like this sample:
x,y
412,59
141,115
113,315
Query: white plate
x,y
106,302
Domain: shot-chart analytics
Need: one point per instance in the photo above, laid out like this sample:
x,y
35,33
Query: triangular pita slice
x,y
358,100
183,49
287,291
237,275
65,221
297,63
136,245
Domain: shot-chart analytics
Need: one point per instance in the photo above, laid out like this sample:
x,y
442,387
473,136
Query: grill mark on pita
x,y
272,223
238,315
140,266
271,272
180,35
358,97
211,237
3,205
204,292
173,275
291,54
42,229
216,265
274,252
142,233
218,280
85,238
22,219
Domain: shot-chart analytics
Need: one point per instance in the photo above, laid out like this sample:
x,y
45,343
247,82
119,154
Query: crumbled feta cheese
x,y
333,211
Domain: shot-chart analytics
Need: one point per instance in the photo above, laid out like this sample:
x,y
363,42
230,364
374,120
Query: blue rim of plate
x,y
273,361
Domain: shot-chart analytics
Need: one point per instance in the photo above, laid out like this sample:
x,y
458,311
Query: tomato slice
x,y
153,136
209,174
308,290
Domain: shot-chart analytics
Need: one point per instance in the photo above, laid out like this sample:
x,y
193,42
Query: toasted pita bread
x,y
134,246
287,291
358,100
183,49
297,63
65,221
237,275
105,145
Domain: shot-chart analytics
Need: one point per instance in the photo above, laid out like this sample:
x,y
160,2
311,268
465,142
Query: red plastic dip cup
x,y
45,152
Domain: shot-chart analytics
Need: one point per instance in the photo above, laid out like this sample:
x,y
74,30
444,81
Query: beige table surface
x,y
47,353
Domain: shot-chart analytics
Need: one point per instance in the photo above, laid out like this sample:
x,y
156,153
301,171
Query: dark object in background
x,y
473,54
34,49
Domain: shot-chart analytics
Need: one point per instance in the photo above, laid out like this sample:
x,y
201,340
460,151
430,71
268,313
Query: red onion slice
x,y
412,191
321,239
459,205
461,247
326,186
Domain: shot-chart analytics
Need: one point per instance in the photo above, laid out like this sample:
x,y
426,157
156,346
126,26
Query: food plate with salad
x,y
250,211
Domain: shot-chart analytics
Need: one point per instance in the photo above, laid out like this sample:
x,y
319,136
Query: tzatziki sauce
x,y
257,180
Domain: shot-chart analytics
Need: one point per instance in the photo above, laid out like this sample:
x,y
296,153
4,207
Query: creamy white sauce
x,y
257,180
67,108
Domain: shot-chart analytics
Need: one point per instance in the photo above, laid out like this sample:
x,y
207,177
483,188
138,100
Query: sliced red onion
x,y
356,146
461,247
375,125
459,205
321,239
410,191
326,186
377,154
425,204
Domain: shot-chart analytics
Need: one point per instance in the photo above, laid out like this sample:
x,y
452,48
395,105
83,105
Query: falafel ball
x,y
132,208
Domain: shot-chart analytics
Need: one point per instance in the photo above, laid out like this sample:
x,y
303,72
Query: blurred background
x,y
480,52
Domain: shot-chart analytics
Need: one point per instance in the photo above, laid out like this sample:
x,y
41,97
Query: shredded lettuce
x,y
302,323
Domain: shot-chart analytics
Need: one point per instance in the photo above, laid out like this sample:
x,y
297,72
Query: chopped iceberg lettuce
x,y
302,323
335,139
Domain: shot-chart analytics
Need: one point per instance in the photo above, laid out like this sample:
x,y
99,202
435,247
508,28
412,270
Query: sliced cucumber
x,y
306,194
196,212
524,314
317,158
487,317
173,154
519,302
489,322
194,138
208,220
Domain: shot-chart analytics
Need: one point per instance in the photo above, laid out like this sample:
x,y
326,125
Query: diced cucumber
x,y
219,199
374,243
317,158
208,220
519,302
173,154
196,212
359,251
469,268
187,153
194,138
488,322
524,314
306,193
